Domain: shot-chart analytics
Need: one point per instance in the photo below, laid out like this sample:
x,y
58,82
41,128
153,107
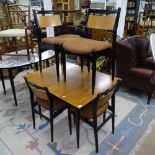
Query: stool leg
x,y
93,74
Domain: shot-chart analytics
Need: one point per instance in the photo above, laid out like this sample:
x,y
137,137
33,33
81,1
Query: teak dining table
x,y
76,91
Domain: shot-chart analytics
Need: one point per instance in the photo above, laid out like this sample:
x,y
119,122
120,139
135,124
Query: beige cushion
x,y
85,46
13,33
58,39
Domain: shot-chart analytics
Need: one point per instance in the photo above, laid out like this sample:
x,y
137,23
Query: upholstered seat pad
x,y
85,46
14,33
58,39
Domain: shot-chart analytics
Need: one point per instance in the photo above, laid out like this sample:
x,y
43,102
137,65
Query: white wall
x,y
122,4
48,6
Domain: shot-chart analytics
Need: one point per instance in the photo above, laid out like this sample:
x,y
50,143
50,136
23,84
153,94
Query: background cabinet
x,y
131,14
64,5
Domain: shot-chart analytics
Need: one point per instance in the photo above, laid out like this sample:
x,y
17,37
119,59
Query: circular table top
x,y
13,61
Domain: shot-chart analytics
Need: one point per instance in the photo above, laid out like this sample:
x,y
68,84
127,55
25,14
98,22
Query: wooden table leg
x,y
12,85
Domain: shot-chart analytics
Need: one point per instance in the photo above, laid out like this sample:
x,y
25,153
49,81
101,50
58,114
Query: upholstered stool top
x,y
14,33
58,39
85,46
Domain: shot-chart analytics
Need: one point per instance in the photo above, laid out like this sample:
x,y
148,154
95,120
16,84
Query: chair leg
x,y
113,111
113,67
40,66
51,125
88,65
81,59
149,98
57,63
95,133
93,74
69,121
77,127
64,63
39,107
104,114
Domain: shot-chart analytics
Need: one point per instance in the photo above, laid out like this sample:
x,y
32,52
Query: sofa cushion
x,y
58,39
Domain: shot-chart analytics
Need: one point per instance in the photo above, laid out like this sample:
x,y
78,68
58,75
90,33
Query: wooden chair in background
x,y
44,100
18,27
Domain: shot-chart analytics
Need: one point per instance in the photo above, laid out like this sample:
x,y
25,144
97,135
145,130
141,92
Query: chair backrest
x,y
152,42
38,91
98,22
103,98
18,16
43,19
49,21
104,21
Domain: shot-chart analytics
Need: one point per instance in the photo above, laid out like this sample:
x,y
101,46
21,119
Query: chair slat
x,y
101,22
49,21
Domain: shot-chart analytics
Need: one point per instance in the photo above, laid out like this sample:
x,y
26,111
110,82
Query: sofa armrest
x,y
123,57
141,73
148,63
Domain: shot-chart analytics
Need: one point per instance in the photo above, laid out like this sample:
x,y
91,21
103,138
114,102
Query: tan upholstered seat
x,y
85,46
57,104
58,39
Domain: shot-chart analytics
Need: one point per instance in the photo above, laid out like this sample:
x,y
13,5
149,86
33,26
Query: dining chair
x,y
152,42
99,106
45,19
18,27
44,100
92,49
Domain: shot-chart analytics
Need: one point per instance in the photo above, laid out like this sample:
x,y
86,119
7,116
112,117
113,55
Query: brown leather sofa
x,y
134,64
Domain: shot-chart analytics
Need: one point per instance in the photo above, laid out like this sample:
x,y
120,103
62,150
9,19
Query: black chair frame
x,y
53,113
95,55
93,122
42,47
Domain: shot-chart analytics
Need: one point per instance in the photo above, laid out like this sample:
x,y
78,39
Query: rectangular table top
x,y
77,90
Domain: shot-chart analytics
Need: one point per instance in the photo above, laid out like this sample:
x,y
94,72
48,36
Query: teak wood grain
x,y
76,91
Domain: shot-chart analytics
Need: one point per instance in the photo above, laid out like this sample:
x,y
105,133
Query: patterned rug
x,y
17,136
